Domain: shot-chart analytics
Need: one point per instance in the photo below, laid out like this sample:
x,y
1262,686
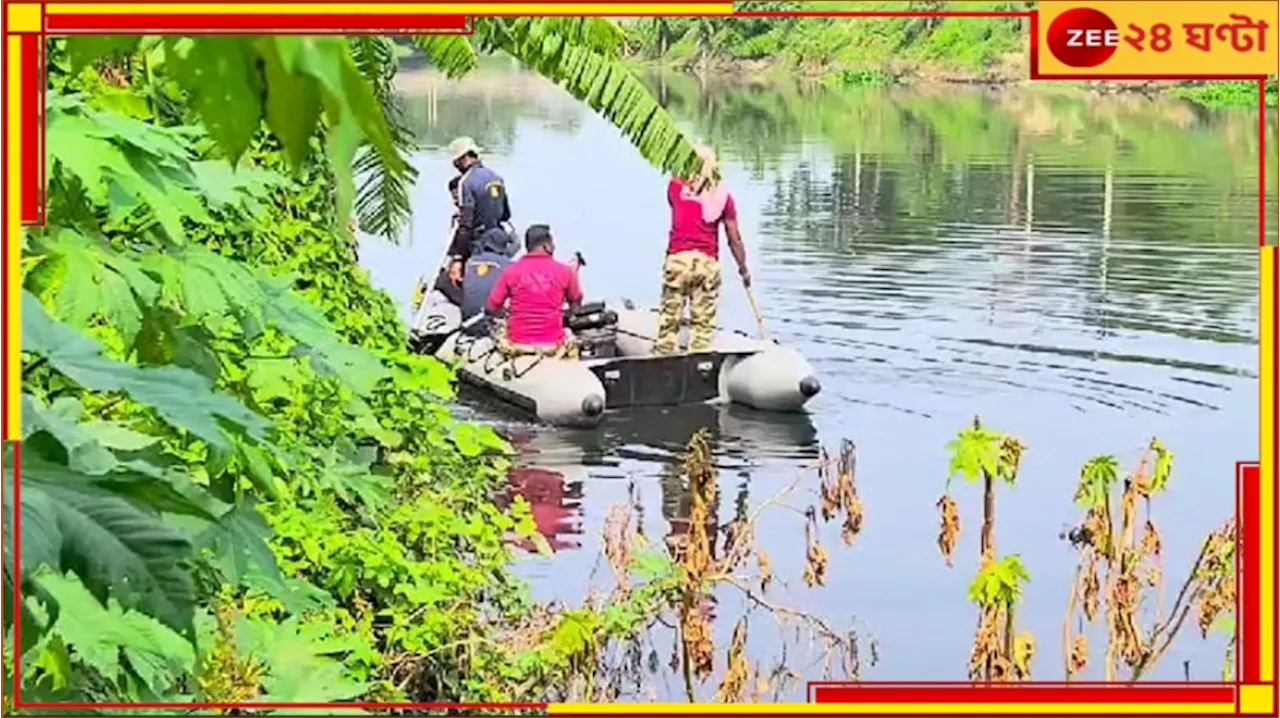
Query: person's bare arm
x,y
573,293
738,249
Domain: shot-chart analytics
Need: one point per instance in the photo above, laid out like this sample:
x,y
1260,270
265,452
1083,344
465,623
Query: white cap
x,y
462,146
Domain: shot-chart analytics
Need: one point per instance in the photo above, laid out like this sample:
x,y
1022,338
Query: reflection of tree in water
x,y
657,436
1028,180
487,107
1153,142
1128,255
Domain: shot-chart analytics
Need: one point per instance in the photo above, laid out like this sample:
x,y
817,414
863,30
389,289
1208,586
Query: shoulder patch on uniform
x,y
495,188
482,268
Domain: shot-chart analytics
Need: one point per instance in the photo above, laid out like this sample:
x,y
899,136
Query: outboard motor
x,y
596,329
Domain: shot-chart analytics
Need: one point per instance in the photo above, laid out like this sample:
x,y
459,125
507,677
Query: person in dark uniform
x,y
451,291
483,208
480,275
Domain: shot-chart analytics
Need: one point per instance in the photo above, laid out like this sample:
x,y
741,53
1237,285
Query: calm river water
x,y
1080,273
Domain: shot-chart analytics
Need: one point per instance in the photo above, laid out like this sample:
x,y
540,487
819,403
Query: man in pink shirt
x,y
691,272
535,290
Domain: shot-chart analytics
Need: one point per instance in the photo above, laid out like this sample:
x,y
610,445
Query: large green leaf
x,y
185,399
128,166
222,80
116,548
304,322
94,282
32,625
101,636
293,102
239,539
299,655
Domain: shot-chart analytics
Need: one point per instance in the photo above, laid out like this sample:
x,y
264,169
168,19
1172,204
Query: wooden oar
x,y
755,309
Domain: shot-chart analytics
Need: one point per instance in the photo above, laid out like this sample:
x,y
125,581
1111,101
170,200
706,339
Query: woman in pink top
x,y
691,273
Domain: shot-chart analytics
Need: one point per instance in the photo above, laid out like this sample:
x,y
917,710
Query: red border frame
x,y
32,212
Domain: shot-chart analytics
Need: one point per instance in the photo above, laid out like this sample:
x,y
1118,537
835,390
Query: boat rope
x,y
466,345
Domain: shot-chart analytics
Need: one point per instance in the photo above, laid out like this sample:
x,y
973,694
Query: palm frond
x,y
382,199
581,56
453,55
595,34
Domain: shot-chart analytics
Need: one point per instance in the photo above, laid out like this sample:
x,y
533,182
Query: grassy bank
x,y
875,51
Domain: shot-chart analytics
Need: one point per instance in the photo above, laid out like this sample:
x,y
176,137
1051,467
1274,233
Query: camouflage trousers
x,y
567,349
693,278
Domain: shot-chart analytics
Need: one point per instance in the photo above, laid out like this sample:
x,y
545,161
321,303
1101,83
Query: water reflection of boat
x,y
737,438
660,435
733,432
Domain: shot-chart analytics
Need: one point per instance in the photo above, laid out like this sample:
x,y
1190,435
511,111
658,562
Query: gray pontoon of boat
x,y
616,368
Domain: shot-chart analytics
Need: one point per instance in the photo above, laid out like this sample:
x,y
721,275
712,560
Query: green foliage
x,y
195,277
128,649
832,43
999,583
382,199
977,453
1162,465
1100,474
1097,476
1225,93
233,84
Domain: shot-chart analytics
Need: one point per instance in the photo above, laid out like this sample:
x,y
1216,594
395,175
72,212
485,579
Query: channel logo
x,y
1083,37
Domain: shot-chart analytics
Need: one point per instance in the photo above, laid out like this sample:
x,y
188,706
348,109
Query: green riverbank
x,y
877,51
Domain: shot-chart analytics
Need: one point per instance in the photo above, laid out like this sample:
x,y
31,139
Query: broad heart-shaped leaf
x,y
185,399
75,454
347,94
352,111
219,75
117,549
100,636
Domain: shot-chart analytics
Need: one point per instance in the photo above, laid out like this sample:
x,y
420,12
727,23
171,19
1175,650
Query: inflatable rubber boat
x,y
616,368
